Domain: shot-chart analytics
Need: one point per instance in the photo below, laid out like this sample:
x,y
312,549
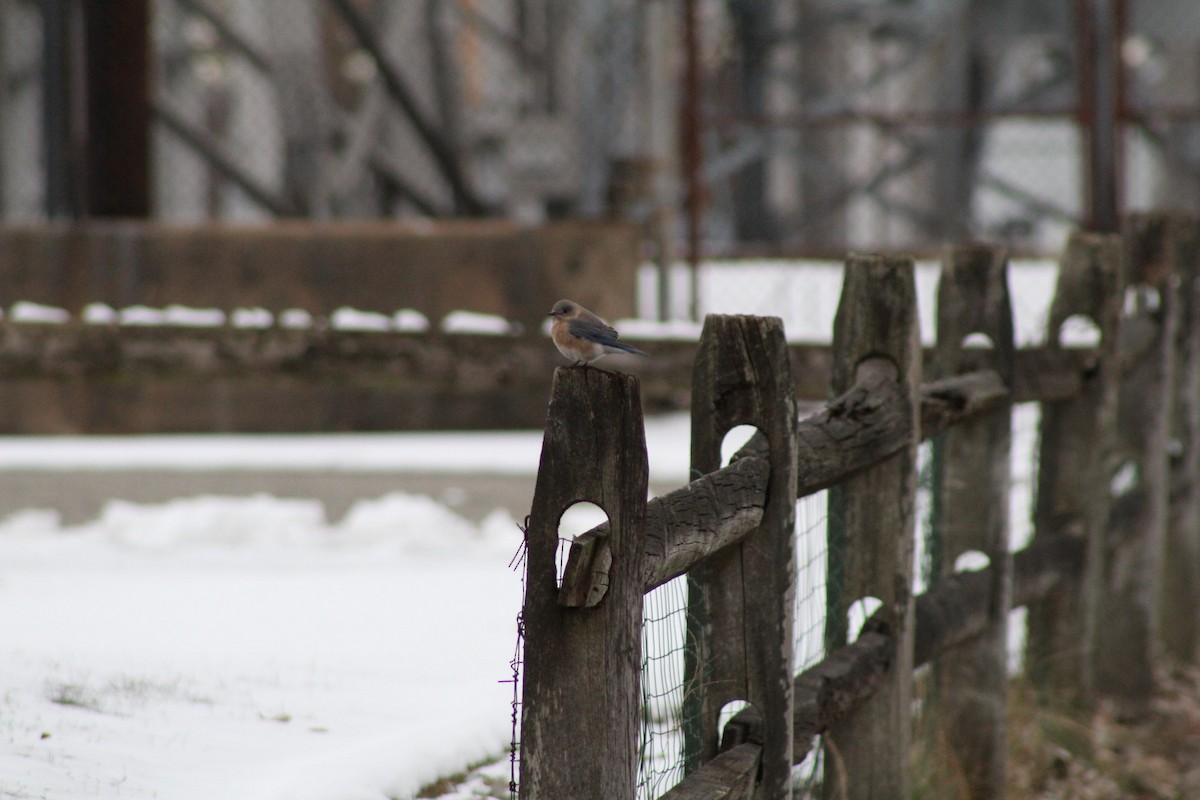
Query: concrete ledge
x,y
81,378
493,267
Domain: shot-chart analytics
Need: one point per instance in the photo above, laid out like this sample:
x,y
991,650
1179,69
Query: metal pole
x,y
116,158
691,156
1098,51
59,117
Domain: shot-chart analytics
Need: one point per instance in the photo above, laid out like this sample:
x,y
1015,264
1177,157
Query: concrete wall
x,y
493,267
83,378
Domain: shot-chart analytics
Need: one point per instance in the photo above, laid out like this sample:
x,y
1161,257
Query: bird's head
x,y
563,308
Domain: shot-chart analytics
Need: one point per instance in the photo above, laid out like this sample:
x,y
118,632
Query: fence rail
x,y
1110,497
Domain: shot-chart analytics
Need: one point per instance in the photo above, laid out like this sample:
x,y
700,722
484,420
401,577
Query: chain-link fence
x,y
526,109
824,125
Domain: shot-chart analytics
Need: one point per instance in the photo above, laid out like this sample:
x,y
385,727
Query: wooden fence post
x,y
1126,641
1074,476
1179,596
871,518
971,498
582,698
740,600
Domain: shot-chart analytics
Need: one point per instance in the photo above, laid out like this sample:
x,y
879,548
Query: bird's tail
x,y
628,348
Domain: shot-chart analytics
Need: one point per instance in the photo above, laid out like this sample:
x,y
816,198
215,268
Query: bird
x,y
582,336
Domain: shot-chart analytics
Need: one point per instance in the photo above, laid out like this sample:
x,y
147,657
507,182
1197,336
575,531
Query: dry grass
x,y
1157,758
1056,757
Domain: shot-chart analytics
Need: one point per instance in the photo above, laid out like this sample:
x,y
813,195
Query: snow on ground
x,y
477,452
248,648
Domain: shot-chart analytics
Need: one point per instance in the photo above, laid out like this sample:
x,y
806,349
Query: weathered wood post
x,y
1127,639
1179,596
740,600
1074,475
971,498
582,700
871,517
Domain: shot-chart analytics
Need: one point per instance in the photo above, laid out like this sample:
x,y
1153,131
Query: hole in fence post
x,y
737,436
860,611
1079,330
1141,299
735,727
877,366
578,518
972,561
1125,479
978,341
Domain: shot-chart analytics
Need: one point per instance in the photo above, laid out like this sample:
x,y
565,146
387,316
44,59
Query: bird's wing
x,y
590,327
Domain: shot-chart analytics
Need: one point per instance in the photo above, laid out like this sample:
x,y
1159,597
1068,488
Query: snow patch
x,y
484,324
25,311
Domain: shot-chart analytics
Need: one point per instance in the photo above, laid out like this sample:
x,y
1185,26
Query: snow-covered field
x,y
248,648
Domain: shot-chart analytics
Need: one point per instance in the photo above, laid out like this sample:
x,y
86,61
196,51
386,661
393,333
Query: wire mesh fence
x,y
661,756
660,747
824,126
806,295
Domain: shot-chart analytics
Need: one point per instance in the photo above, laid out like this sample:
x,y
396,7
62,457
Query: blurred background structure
x,y
790,127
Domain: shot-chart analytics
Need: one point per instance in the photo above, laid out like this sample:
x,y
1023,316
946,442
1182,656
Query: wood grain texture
x,y
581,706
729,776
741,598
967,713
871,524
1075,469
1127,641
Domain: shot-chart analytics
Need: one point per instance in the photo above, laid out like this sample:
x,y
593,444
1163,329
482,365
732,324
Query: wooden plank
x,y
829,691
582,701
683,528
741,599
959,608
967,711
1075,471
963,399
871,525
870,422
729,776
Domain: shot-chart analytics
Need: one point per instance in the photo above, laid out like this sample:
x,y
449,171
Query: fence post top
x,y
594,446
1090,283
1159,244
973,297
876,316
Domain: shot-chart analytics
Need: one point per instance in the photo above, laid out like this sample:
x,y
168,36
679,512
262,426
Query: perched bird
x,y
582,336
